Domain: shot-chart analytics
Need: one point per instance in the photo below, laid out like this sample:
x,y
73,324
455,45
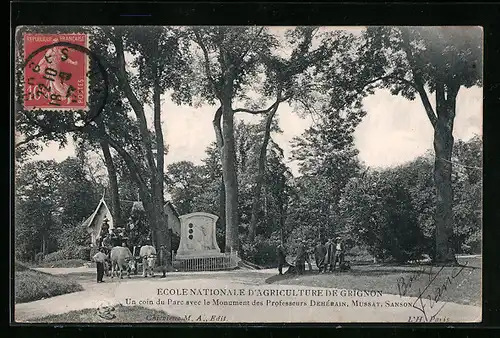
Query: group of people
x,y
328,255
148,256
117,237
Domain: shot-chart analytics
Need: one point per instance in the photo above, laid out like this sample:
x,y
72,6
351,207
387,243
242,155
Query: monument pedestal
x,y
198,249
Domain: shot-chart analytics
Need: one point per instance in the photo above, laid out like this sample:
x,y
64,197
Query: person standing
x,y
319,255
115,241
339,252
99,259
330,256
164,259
300,261
280,251
106,244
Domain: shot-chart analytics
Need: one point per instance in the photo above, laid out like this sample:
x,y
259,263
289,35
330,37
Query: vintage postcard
x,y
223,174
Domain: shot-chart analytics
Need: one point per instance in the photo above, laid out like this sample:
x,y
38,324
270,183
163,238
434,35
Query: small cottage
x,y
95,221
173,220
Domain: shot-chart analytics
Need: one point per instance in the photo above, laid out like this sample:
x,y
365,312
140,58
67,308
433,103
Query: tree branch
x,y
34,137
251,45
263,111
310,108
45,131
134,102
417,78
389,77
208,70
218,132
134,170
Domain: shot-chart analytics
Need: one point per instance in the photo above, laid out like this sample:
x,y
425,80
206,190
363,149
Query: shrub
x,y
66,263
39,257
77,252
18,266
73,235
261,252
380,214
472,244
31,285
359,254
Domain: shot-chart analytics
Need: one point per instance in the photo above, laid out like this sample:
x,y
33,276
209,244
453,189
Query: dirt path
x,y
261,302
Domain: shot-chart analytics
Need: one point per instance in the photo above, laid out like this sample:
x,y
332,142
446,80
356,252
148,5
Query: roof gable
x,y
101,210
171,206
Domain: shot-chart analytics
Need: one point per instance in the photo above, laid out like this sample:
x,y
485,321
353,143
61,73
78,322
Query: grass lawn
x,y
116,314
65,263
465,288
31,285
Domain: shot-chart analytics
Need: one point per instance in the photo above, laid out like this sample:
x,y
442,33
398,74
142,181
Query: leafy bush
x,y
73,235
39,257
261,252
31,285
472,244
77,252
359,254
66,263
18,266
380,214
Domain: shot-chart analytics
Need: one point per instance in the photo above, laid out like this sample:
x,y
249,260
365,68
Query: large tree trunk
x,y
220,144
230,179
112,175
155,215
162,228
113,184
154,204
222,203
442,122
44,245
443,147
259,178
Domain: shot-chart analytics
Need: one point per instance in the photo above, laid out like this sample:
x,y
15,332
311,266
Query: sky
x,y
394,131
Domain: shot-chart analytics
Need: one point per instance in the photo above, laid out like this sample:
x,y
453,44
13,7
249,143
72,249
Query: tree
x,y
378,212
232,60
160,59
327,158
185,183
36,207
277,189
249,159
77,196
37,127
416,61
229,62
214,197
467,202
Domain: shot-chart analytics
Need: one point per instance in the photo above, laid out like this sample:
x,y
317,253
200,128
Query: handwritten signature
x,y
429,301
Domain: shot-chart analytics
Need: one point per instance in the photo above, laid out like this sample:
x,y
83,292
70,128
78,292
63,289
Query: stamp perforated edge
x,y
22,78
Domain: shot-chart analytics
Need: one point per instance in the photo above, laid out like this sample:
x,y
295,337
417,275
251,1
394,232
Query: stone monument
x,y
198,236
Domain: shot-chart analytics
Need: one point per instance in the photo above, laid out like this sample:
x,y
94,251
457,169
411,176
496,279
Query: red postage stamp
x,y
55,76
